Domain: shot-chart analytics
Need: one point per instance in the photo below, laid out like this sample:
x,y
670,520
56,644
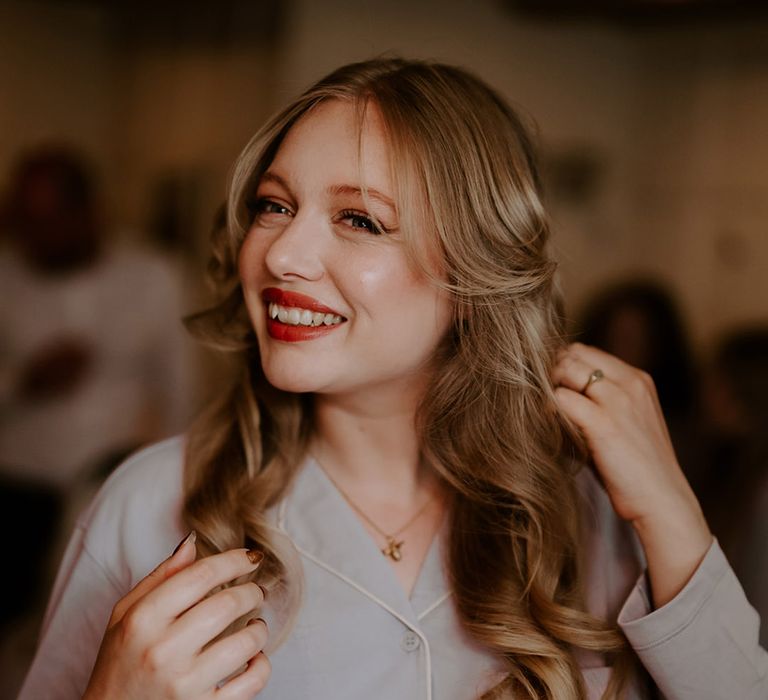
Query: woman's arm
x,y
74,624
687,618
622,421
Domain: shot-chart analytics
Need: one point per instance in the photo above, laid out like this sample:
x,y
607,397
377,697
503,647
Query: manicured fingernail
x,y
191,537
255,556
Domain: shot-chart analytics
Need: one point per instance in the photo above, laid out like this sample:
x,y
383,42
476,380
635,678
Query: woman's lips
x,y
293,334
304,318
294,299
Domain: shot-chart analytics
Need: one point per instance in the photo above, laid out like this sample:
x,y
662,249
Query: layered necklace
x,y
393,546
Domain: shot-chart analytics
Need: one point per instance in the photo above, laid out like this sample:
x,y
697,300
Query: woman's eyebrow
x,y
369,192
270,176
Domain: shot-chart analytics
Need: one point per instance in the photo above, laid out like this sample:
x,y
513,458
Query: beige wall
x,y
190,111
675,118
55,78
137,114
700,205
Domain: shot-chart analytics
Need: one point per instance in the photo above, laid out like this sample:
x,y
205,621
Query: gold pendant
x,y
392,550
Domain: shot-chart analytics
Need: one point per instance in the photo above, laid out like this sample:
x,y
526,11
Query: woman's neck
x,y
371,446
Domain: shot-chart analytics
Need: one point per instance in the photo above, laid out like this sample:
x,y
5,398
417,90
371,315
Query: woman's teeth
x,y
292,316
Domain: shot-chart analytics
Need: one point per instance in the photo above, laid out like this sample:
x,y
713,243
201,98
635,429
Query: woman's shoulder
x,y
134,521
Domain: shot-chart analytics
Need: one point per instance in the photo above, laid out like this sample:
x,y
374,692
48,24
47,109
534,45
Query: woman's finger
x,y
226,656
620,383
584,412
249,682
183,556
177,594
636,383
209,618
574,374
618,370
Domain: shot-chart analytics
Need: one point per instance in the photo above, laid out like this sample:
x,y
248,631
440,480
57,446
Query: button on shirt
x,y
410,641
357,633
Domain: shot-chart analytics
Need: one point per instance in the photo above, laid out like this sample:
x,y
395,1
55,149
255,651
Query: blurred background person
x,y
93,359
734,490
639,321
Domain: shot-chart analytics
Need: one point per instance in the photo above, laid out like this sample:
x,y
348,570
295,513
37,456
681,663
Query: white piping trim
x,y
429,667
380,602
434,605
365,592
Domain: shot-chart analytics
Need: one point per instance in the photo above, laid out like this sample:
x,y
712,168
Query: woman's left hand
x,y
620,417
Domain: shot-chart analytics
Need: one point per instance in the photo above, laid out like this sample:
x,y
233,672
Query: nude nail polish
x,y
191,537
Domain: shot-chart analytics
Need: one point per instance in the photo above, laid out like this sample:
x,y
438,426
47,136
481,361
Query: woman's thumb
x,y
184,555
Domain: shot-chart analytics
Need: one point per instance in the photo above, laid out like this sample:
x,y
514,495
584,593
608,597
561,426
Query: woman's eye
x,y
358,220
260,207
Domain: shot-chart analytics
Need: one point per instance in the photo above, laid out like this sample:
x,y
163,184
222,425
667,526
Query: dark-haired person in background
x,y
93,324
640,321
734,490
93,363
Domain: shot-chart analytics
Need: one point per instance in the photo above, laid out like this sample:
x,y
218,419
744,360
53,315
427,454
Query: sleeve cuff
x,y
704,642
645,627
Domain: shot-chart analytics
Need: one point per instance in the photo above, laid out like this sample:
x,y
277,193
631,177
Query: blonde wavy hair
x,y
488,422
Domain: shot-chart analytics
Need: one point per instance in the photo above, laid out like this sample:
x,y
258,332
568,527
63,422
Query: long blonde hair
x,y
487,424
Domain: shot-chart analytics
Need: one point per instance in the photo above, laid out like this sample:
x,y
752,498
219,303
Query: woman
x,y
385,284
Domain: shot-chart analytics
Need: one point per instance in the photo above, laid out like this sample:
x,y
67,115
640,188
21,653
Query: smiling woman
x,y
313,233
404,390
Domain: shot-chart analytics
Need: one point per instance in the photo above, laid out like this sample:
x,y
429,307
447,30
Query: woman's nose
x,y
296,250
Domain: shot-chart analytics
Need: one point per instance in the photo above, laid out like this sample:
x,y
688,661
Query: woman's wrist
x,y
675,540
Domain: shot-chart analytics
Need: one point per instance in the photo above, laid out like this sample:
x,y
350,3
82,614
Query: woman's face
x,y
335,303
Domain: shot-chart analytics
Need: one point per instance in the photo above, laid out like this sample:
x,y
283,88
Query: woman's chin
x,y
293,381
292,385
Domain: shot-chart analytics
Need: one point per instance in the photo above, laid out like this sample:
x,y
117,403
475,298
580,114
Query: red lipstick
x,y
291,333
302,301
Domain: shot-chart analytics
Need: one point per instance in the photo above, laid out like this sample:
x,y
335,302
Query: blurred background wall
x,y
651,119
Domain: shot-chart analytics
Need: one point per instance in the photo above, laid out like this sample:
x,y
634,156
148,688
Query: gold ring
x,y
596,376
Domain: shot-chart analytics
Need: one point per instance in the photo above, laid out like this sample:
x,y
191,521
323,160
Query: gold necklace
x,y
393,547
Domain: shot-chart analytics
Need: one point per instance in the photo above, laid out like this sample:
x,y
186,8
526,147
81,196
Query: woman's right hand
x,y
154,646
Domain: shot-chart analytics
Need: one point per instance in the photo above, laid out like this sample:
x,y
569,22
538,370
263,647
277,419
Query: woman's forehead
x,y
337,144
342,147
